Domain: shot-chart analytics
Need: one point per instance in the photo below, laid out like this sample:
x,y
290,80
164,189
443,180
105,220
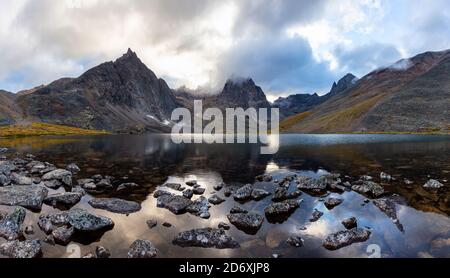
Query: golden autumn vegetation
x,y
42,129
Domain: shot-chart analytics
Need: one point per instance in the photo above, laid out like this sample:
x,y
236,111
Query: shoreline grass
x,y
43,129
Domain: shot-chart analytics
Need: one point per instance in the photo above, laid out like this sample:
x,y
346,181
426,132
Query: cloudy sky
x,y
286,46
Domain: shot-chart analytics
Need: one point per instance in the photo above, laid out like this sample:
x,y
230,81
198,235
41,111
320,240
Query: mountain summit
x,y
242,92
123,95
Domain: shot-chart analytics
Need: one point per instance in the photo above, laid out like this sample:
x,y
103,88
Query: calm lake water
x,y
152,160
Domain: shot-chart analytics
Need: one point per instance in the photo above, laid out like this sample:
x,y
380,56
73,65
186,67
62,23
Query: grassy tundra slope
x,y
411,96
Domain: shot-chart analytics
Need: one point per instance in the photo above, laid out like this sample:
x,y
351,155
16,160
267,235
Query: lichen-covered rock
x,y
295,241
66,199
188,193
316,215
175,203
200,208
238,210
206,238
342,239
59,174
317,185
142,249
19,179
368,188
30,197
244,193
434,184
350,223
215,200
282,208
63,235
250,223
115,205
27,249
84,221
259,194
11,224
52,221
331,203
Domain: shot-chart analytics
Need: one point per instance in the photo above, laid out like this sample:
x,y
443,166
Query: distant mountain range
x,y
413,95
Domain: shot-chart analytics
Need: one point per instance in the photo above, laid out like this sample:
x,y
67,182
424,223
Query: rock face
x,y
115,205
30,197
84,221
175,203
119,96
205,238
434,184
27,249
250,223
242,93
295,104
295,241
11,224
342,239
18,179
61,175
66,199
142,249
317,185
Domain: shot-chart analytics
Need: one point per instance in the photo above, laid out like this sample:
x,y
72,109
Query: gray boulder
x,y
205,238
84,221
63,235
175,203
115,205
142,249
282,208
342,239
49,222
61,175
27,249
11,224
30,197
215,200
250,223
244,193
368,188
66,199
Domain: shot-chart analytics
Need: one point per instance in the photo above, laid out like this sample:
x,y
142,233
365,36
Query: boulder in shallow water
x,y
368,188
66,199
11,224
27,249
350,223
316,215
30,197
52,221
73,168
84,221
342,239
59,174
115,205
295,241
282,208
331,203
215,200
63,235
206,238
200,208
244,193
142,249
175,203
249,223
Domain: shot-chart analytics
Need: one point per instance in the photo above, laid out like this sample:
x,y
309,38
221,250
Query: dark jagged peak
x,y
346,82
242,92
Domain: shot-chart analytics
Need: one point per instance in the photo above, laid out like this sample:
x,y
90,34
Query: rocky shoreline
x,y
27,183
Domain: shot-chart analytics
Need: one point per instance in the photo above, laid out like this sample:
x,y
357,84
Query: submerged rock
x,y
11,224
250,223
30,197
175,203
52,221
84,221
368,188
434,184
206,238
215,200
60,174
142,249
115,205
66,199
316,215
295,241
27,249
63,235
350,223
331,203
283,208
342,239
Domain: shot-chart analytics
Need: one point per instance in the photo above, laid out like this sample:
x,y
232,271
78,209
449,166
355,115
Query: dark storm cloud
x,y
278,64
